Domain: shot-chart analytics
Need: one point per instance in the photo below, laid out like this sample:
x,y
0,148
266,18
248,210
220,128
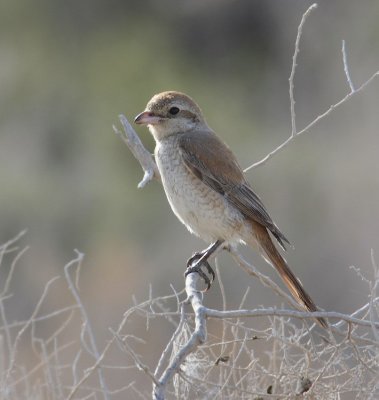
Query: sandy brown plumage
x,y
206,188
225,176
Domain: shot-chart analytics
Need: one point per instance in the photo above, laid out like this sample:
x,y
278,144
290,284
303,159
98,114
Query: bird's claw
x,y
194,264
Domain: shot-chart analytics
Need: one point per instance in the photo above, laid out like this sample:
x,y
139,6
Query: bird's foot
x,y
195,264
198,260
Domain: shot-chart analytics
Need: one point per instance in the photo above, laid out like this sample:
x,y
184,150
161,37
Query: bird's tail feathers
x,y
293,284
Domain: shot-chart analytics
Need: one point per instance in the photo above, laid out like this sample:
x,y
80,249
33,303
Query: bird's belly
x,y
202,210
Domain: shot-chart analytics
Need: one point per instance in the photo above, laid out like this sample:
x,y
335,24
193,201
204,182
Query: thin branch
x,y
198,337
12,268
4,248
359,311
374,288
294,132
276,312
86,322
139,364
41,364
165,353
294,64
28,323
313,123
346,67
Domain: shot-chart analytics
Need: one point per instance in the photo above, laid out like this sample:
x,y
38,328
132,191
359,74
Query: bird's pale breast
x,y
204,211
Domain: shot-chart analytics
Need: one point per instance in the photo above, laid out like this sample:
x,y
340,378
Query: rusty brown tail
x,y
293,284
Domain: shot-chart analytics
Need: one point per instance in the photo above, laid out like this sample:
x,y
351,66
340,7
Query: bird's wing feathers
x,y
210,160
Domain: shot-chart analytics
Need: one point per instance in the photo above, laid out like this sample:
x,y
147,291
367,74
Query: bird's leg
x,y
205,254
200,259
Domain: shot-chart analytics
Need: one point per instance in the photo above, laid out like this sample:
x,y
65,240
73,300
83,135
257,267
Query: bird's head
x,y
169,113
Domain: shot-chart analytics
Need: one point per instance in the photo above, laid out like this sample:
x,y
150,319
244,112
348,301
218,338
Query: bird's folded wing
x,y
211,161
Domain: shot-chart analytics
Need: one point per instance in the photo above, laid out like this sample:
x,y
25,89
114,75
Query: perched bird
x,y
206,188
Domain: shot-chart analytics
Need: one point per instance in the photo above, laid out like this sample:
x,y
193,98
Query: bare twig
x,y
195,298
146,160
6,247
24,328
359,311
92,347
294,64
41,364
165,353
139,364
346,67
294,132
313,123
11,270
374,288
275,312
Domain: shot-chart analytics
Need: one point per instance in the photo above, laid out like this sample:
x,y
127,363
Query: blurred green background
x,y
69,68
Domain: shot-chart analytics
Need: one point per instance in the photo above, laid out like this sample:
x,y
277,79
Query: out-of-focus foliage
x,y
68,68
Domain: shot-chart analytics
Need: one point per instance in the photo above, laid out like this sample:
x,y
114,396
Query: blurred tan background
x,y
67,69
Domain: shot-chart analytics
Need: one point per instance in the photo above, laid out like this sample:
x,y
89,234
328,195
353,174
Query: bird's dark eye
x,y
173,110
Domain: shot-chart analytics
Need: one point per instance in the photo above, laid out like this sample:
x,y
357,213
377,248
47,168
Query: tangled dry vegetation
x,y
211,355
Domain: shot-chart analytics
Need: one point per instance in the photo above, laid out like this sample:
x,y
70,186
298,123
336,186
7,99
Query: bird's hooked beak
x,y
147,118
